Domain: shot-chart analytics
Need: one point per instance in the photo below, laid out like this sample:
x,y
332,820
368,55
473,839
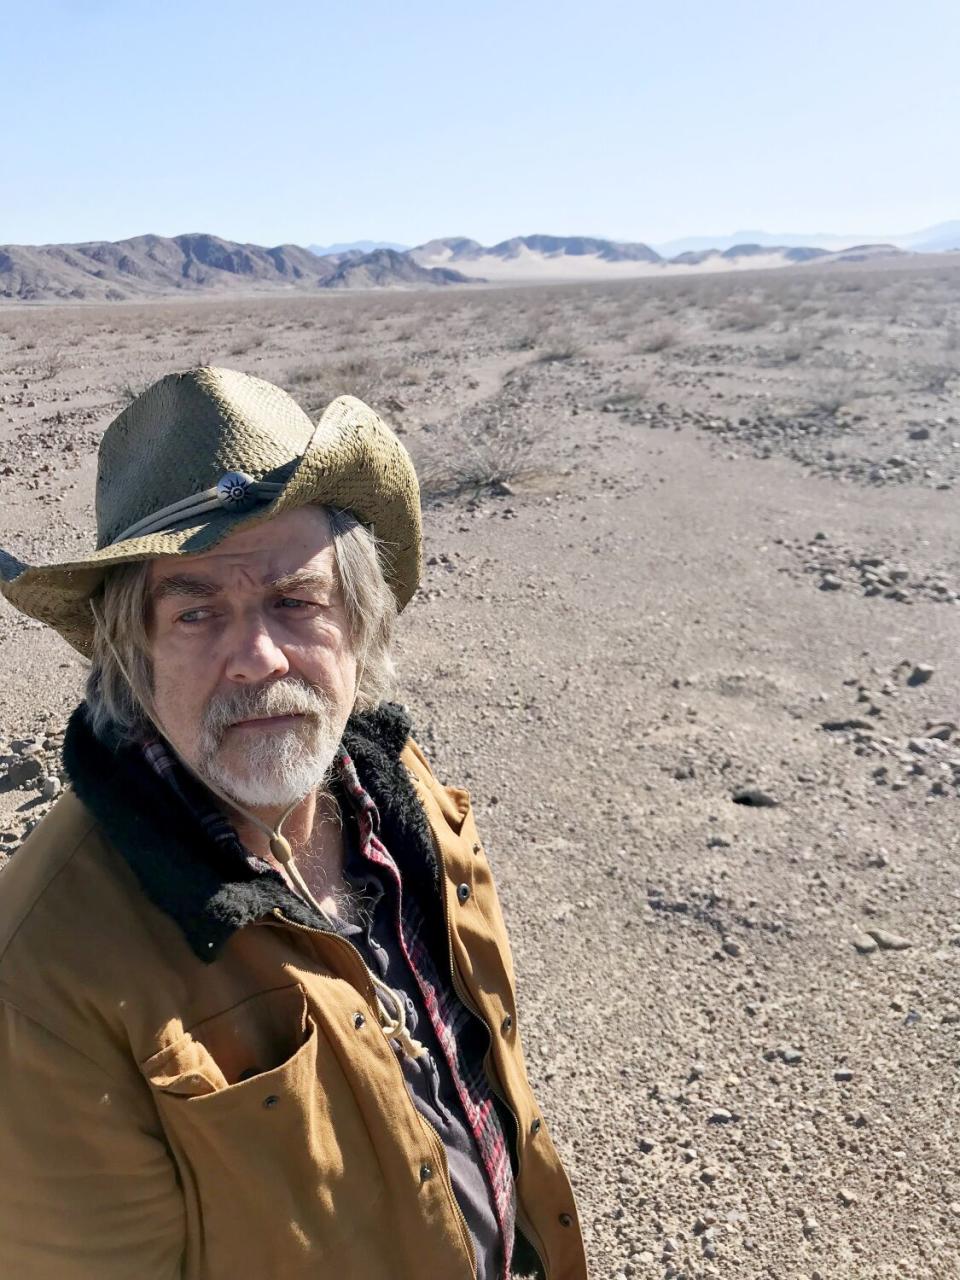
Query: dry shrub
x,y
524,341
750,315
248,342
630,397
831,395
482,459
129,388
561,346
657,339
797,348
50,365
362,376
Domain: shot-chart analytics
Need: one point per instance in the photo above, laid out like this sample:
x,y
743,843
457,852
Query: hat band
x,y
235,491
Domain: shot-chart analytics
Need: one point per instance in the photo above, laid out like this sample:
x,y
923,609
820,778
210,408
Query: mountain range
x,y
154,266
531,258
942,238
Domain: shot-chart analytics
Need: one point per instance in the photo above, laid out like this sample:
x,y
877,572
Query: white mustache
x,y
281,698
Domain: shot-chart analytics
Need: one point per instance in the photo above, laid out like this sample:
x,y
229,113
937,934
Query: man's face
x,y
254,670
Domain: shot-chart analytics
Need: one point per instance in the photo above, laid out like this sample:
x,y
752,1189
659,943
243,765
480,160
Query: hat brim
x,y
353,463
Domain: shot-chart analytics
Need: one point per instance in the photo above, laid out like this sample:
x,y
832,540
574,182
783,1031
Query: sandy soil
x,y
688,545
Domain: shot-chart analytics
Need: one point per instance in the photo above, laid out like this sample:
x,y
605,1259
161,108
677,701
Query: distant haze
x,y
362,246
937,239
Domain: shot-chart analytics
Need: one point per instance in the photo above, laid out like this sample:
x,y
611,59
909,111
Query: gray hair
x,y
117,705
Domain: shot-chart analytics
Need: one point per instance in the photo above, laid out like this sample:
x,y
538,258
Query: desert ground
x,y
688,632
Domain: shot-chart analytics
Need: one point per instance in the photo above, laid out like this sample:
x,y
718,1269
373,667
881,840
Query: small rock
x,y
754,797
788,1054
719,1115
864,943
718,842
942,730
710,1174
920,674
843,1075
731,947
52,786
829,583
889,941
846,1197
24,771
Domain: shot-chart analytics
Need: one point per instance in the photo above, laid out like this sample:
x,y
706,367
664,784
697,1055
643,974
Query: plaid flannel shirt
x,y
447,1013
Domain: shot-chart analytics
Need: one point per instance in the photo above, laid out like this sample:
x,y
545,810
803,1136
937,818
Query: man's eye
x,y
193,615
288,602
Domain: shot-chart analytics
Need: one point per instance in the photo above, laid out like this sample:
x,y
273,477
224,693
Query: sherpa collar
x,y
208,893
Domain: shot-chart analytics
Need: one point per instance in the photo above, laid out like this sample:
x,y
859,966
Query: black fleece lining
x,y
191,879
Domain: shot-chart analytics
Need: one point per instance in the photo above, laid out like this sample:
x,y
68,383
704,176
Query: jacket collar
x,y
208,893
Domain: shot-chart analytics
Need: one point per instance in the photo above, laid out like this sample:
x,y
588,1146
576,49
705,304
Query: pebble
x,y
864,943
24,771
920,674
846,1197
788,1054
52,786
889,941
754,797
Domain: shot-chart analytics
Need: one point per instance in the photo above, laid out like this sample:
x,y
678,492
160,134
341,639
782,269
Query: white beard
x,y
281,767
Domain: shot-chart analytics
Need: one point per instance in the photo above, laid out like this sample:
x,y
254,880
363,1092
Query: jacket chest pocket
x,y
258,1115
267,1036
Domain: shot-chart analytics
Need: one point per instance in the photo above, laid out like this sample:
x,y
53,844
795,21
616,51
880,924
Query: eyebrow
x,y
186,584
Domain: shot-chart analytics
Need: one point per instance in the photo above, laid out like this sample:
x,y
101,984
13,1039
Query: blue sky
x,y
316,122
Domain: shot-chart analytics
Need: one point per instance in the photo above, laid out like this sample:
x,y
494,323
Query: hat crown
x,y
180,437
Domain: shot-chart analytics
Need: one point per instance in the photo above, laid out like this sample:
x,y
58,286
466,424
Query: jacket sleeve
x,y
88,1190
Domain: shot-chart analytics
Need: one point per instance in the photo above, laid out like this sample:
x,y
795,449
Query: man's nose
x,y
255,654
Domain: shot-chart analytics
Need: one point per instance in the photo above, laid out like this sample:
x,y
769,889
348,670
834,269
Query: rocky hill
x,y
153,266
385,268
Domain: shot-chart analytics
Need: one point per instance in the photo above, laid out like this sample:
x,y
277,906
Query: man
x,y
257,998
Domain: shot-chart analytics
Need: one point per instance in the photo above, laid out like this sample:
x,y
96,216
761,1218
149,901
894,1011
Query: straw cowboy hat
x,y
205,452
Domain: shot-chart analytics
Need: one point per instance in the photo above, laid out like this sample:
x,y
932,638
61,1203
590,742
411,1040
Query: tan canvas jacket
x,y
140,987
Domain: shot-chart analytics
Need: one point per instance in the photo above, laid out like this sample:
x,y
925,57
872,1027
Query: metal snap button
x,y
426,1173
536,1126
566,1220
271,1101
507,1024
358,1020
476,846
463,892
